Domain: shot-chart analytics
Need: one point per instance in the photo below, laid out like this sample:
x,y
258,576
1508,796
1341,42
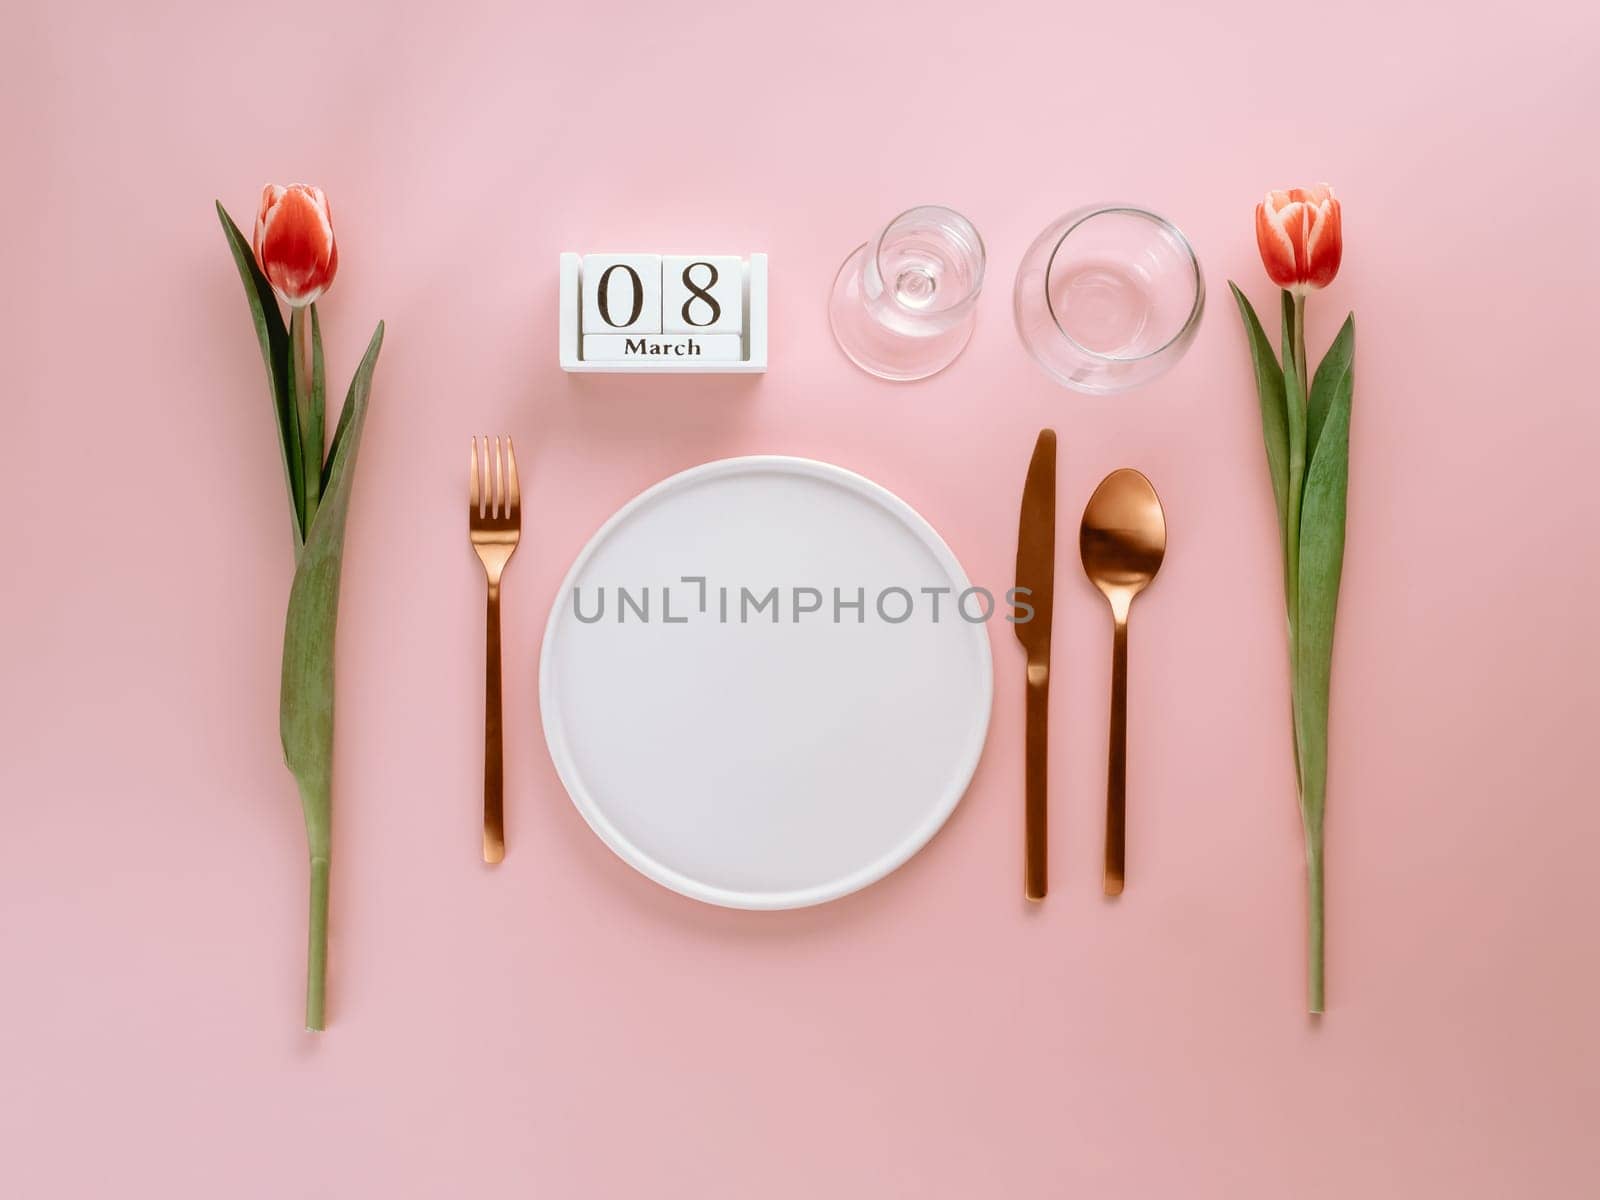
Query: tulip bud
x,y
294,242
1300,237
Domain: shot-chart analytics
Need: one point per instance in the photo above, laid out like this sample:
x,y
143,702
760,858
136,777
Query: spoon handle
x,y
1117,767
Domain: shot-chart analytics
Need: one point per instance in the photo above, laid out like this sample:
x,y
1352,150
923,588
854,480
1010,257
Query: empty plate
x,y
766,682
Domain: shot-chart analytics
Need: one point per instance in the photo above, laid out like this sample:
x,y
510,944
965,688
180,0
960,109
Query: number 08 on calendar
x,y
664,313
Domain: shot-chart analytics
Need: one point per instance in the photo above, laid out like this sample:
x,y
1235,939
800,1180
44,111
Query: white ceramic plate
x,y
753,763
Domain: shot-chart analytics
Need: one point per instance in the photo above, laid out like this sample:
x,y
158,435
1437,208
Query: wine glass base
x,y
882,351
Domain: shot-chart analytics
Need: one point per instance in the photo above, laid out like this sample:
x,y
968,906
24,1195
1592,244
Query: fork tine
x,y
473,495
499,479
488,477
514,486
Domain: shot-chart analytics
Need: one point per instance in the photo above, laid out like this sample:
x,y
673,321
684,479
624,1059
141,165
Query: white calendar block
x,y
701,293
606,325
622,293
678,348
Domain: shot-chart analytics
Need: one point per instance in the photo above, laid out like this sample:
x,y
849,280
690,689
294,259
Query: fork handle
x,y
494,827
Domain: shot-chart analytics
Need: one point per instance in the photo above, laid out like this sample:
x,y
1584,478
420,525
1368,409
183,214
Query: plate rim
x,y
566,769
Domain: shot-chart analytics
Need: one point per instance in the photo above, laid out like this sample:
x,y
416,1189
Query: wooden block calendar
x,y
663,313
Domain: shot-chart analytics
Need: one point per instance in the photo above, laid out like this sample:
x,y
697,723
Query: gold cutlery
x,y
1122,541
495,523
1036,580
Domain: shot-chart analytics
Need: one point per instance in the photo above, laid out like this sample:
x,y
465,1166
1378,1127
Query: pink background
x,y
561,1024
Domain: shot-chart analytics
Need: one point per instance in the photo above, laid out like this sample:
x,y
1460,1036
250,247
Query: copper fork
x,y
494,520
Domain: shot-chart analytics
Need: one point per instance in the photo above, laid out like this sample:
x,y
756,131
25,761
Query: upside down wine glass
x,y
1108,297
904,304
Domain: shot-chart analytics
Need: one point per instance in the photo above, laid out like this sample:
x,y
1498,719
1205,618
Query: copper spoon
x,y
1123,540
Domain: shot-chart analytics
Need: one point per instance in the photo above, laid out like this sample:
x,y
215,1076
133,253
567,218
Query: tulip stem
x,y
1301,365
1295,393
317,948
306,411
1316,998
1302,396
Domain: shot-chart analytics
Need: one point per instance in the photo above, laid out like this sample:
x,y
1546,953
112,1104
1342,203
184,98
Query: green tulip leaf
x,y
1321,565
275,350
319,391
306,712
343,425
1332,376
1269,389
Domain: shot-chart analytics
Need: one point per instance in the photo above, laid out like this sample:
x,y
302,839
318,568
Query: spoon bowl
x,y
1122,542
1123,538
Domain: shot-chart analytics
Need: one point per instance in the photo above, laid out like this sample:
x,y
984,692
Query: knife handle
x,y
1036,876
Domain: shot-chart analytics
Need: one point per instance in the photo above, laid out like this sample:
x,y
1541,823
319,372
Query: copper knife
x,y
1036,589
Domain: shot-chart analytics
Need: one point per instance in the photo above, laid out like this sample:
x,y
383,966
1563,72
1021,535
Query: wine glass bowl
x,y
1108,297
903,305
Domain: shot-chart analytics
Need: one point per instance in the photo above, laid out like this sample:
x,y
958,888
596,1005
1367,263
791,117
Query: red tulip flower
x,y
293,260
294,242
1305,422
1300,237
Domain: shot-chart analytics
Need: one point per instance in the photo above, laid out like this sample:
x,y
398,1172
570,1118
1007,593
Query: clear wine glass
x,y
1109,297
904,304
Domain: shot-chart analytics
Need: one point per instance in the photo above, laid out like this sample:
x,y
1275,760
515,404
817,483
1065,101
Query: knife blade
x,y
1035,588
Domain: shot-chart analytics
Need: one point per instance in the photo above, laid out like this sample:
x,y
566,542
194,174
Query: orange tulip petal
x,y
1326,247
1299,227
1277,250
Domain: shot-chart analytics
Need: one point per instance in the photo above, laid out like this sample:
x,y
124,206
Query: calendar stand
x,y
754,331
